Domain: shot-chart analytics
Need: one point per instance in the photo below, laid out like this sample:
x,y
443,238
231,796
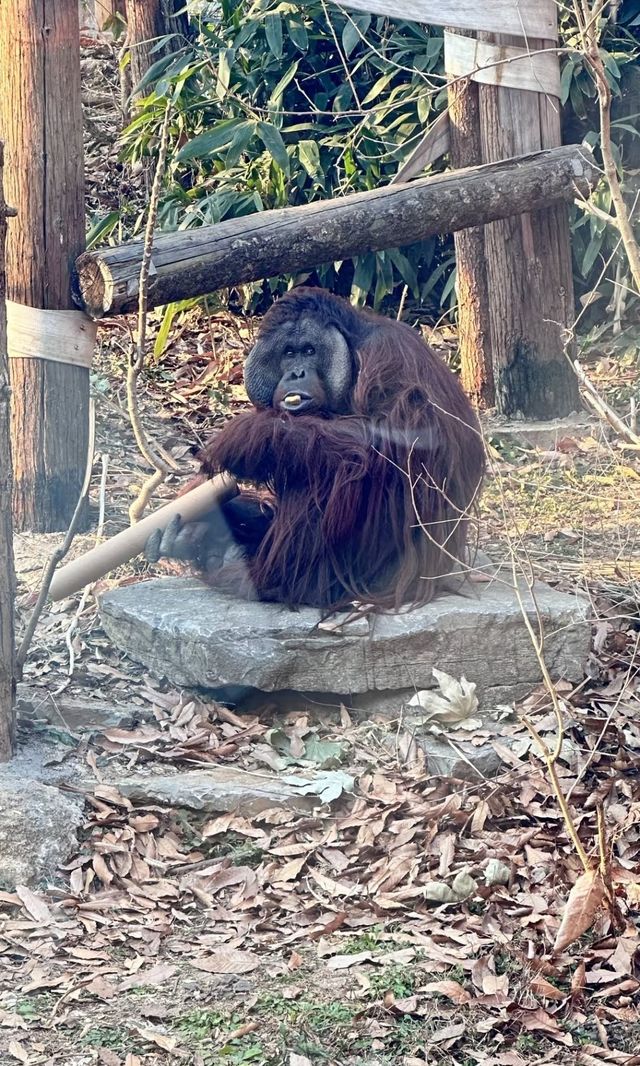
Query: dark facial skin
x,y
305,368
300,389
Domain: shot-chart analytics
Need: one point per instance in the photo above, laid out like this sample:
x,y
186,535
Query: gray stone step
x,y
194,636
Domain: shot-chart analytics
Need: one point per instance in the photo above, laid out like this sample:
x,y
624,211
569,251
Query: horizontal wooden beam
x,y
198,261
523,18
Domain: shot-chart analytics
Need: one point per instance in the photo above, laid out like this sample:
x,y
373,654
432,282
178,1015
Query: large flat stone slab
x,y
222,788
195,636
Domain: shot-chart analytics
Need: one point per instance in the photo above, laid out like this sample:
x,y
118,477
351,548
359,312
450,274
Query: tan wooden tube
x,y
130,542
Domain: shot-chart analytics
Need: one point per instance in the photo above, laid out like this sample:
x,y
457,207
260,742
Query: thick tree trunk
x,y
528,259
471,276
41,124
7,583
199,261
147,21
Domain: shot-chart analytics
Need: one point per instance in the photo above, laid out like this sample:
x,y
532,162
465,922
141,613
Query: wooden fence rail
x,y
199,261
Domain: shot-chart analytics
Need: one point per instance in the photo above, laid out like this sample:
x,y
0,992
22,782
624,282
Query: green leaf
x,y
274,144
170,312
154,72
350,36
273,33
405,270
225,61
102,228
378,87
298,34
309,156
449,289
241,140
565,81
275,100
209,142
363,278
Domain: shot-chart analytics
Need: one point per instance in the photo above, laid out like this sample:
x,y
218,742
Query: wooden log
x,y
41,125
199,261
7,578
528,264
131,541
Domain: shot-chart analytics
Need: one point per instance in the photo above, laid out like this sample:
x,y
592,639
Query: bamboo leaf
x,y
273,33
272,140
205,144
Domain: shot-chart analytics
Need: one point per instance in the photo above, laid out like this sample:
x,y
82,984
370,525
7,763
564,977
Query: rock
x,y
463,760
222,789
545,434
195,636
37,831
86,715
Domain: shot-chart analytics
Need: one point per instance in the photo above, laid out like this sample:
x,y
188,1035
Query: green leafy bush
x,y
280,104
277,104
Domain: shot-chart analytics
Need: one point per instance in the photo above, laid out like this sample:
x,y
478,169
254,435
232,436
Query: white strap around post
x,y
58,336
511,66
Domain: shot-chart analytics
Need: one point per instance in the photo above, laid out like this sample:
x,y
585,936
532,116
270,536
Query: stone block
x,y
37,831
194,636
221,789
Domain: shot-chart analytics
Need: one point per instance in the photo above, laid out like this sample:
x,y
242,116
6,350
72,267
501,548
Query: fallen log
x,y
198,261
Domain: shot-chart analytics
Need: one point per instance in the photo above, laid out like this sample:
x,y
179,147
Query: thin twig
x,y
601,407
60,552
156,458
549,758
73,625
589,22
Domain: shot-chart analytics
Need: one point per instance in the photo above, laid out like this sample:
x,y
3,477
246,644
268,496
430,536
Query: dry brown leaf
x,y
541,987
404,1005
17,1051
11,1020
451,989
144,823
101,869
449,1032
540,1021
345,962
108,1058
227,960
583,904
161,1040
578,980
101,988
145,734
35,905
153,977
335,888
290,870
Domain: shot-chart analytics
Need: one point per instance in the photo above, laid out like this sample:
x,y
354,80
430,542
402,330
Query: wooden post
x,y
528,262
474,330
7,580
105,10
147,20
41,124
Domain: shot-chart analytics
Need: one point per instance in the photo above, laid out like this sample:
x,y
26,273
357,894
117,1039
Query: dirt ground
x,y
410,921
